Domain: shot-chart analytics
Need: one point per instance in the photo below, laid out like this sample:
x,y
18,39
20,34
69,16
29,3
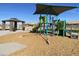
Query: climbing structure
x,y
43,24
48,23
51,26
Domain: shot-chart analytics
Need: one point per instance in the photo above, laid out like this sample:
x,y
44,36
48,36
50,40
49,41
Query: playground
x,y
49,37
50,24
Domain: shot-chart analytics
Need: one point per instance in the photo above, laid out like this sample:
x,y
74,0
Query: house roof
x,y
12,20
51,9
73,22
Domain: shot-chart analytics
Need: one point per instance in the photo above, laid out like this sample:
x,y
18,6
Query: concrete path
x,y
10,47
5,32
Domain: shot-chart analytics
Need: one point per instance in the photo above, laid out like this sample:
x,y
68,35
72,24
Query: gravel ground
x,y
37,46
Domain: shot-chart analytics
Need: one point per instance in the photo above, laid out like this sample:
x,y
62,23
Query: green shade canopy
x,y
52,10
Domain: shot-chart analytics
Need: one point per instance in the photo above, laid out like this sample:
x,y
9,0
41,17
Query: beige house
x,y
74,25
29,27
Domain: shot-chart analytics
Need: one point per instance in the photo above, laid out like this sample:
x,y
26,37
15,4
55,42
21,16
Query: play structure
x,y
49,23
50,26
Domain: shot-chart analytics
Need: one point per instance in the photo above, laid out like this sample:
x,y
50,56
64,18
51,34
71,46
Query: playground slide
x,y
36,28
44,37
67,31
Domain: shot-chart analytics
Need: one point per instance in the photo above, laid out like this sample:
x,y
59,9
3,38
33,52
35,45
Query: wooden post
x,y
23,27
3,25
71,31
15,26
11,26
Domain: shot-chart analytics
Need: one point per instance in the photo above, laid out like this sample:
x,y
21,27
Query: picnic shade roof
x,y
51,9
12,20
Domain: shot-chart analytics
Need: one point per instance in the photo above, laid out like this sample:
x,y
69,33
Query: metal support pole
x,y
52,25
44,21
64,28
40,22
46,25
57,24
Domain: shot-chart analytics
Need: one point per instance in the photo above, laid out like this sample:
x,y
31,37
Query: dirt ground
x,y
37,46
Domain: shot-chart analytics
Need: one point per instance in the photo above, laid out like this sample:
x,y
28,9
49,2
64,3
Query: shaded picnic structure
x,y
13,24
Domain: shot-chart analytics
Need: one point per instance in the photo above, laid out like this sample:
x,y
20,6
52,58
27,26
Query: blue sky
x,y
25,12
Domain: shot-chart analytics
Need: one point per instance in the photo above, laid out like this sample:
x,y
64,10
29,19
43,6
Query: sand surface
x,y
37,46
